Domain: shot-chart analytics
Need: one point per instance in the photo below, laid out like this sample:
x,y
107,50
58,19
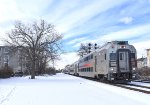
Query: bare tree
x,y
83,50
38,41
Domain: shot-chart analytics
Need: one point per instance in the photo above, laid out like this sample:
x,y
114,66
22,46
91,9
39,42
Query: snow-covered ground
x,y
62,89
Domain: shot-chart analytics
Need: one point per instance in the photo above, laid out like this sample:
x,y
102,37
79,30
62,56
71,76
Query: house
x,y
141,62
12,59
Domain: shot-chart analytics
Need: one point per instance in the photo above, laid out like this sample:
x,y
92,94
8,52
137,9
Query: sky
x,y
84,21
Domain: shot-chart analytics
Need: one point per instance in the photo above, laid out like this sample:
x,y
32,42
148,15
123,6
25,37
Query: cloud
x,y
95,21
85,13
77,40
32,7
67,58
9,10
12,10
141,48
59,9
126,20
135,31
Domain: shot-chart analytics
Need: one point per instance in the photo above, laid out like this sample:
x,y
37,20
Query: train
x,y
114,61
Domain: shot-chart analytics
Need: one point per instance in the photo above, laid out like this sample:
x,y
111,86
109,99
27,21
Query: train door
x,y
123,61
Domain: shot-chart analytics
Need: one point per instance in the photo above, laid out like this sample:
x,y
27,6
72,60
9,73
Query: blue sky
x,y
83,21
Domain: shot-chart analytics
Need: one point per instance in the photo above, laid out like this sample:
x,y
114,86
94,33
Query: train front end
x,y
122,61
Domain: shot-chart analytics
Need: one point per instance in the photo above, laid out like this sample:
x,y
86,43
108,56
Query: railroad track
x,y
146,87
143,89
144,81
134,87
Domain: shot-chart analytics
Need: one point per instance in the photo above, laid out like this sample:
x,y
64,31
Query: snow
x,y
141,83
62,89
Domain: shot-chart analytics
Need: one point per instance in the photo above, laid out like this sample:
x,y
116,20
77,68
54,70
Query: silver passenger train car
x,y
113,62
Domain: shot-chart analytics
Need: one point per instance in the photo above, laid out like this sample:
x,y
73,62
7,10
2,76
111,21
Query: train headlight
x,y
111,69
133,68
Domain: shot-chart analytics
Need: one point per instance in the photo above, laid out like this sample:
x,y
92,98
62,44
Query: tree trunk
x,y
33,70
32,74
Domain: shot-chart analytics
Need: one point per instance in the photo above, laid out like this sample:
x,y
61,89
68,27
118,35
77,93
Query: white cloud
x,y
12,10
32,7
141,48
127,33
9,10
68,16
83,14
126,20
67,58
76,40
61,9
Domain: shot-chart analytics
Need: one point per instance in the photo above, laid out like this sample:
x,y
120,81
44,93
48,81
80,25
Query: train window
x,y
92,56
122,42
121,56
105,56
89,69
112,56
